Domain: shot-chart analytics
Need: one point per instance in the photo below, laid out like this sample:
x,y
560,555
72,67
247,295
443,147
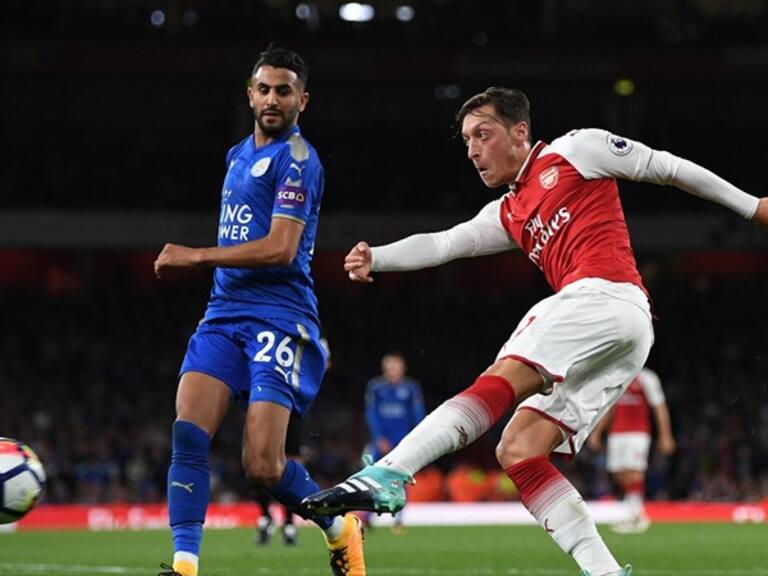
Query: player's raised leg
x,y
265,463
450,427
201,403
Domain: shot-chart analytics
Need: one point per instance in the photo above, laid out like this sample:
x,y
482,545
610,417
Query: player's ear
x,y
249,92
520,130
303,101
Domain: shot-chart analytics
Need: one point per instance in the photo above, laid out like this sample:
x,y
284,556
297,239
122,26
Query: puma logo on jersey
x,y
187,487
285,374
298,168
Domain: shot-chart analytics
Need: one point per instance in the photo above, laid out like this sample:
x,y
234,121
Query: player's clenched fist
x,y
174,256
358,263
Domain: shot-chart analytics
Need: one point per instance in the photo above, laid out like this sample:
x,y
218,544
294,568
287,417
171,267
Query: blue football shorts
x,y
261,360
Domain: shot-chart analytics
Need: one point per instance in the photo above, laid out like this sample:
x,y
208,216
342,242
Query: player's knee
x,y
510,451
263,469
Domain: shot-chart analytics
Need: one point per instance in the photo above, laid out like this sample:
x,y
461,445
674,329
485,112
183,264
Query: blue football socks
x,y
295,485
188,486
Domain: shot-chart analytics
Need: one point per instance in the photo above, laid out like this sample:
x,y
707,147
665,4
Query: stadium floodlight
x,y
356,12
303,11
624,87
405,13
157,18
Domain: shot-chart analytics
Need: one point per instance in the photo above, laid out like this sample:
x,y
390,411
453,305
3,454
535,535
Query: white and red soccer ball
x,y
22,480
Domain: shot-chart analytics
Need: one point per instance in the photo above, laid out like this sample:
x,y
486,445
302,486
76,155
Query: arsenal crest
x,y
548,179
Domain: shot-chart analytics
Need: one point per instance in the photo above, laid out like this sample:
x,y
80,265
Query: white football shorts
x,y
588,341
627,451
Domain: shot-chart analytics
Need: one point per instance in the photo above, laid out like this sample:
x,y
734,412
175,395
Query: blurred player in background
x,y
629,441
574,353
394,405
259,341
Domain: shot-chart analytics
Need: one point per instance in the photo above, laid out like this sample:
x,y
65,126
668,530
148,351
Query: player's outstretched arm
x,y
598,154
479,236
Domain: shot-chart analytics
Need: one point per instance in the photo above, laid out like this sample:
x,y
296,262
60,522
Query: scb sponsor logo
x,y
290,196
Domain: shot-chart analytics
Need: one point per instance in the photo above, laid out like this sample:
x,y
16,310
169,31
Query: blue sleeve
x,y
417,404
299,181
371,411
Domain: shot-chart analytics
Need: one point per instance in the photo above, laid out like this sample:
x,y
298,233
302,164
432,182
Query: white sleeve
x,y
479,236
651,385
599,154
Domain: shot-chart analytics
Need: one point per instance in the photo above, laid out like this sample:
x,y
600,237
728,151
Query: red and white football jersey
x,y
631,413
564,210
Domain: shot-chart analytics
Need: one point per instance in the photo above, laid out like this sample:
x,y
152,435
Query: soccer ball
x,y
22,480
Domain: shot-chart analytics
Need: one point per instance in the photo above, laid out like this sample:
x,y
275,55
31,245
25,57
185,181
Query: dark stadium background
x,y
114,131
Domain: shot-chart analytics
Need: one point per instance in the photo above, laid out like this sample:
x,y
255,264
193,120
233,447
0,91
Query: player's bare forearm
x,y
278,248
261,252
761,215
176,258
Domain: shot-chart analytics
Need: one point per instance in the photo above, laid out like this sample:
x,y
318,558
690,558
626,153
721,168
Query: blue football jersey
x,y
393,410
282,179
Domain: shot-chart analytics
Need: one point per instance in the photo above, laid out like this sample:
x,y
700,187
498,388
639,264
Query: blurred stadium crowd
x,y
128,114
89,372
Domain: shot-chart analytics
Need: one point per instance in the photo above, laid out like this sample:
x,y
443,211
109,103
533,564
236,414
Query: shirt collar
x,y
522,174
281,138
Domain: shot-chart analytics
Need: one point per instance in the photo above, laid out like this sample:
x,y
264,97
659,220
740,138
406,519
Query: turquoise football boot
x,y
373,489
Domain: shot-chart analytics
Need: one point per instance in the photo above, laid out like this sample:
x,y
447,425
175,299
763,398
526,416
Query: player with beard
x,y
259,341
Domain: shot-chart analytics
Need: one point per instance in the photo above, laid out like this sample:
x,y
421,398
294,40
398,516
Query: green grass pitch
x,y
665,550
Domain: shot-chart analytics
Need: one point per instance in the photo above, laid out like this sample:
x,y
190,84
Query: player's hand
x,y
358,263
666,445
174,257
761,216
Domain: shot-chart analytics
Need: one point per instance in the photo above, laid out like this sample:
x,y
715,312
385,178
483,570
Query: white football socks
x,y
185,563
635,507
453,425
334,530
561,511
